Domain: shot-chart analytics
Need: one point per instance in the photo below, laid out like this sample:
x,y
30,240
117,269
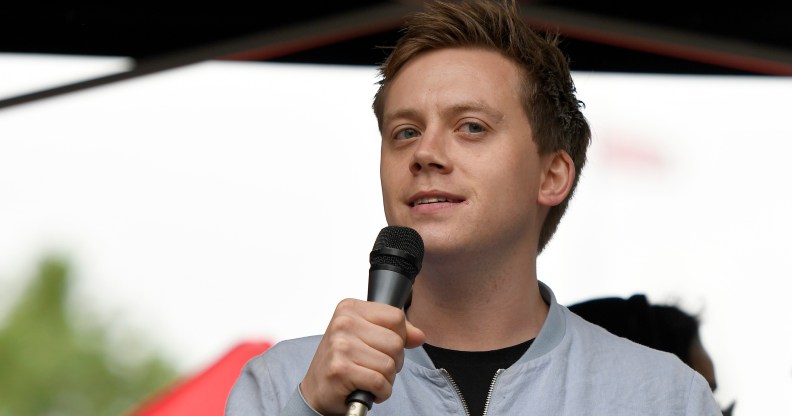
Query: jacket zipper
x,y
456,389
491,389
459,392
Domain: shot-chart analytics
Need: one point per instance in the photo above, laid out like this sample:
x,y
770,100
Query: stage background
x,y
225,202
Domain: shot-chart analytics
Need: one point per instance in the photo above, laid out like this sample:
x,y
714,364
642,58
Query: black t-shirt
x,y
473,371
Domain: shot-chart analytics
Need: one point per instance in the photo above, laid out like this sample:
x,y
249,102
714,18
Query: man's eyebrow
x,y
474,106
456,109
407,113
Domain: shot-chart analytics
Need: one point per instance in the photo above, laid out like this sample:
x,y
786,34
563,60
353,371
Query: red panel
x,y
204,394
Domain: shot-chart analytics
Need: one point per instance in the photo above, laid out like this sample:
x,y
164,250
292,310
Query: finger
x,y
377,313
384,315
348,312
359,367
356,340
385,364
372,346
415,337
353,324
338,378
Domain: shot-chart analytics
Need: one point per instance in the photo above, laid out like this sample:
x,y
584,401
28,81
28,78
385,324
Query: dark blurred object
x,y
729,409
662,327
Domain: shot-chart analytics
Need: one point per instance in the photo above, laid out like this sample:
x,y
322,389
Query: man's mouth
x,y
433,200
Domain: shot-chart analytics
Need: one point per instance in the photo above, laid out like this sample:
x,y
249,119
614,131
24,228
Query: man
x,y
482,145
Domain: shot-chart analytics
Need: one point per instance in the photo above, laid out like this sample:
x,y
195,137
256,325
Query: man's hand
x,y
362,349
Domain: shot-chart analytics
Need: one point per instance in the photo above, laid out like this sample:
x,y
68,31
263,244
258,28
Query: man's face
x,y
458,161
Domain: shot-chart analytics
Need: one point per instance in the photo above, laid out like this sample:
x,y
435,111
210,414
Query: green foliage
x,y
52,366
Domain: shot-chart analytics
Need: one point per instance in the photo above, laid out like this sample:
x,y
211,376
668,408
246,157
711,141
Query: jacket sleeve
x,y
252,396
269,384
701,401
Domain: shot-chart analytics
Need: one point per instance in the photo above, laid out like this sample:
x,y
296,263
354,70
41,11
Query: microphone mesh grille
x,y
401,238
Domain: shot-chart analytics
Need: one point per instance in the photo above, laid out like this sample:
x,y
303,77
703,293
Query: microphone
x,y
395,261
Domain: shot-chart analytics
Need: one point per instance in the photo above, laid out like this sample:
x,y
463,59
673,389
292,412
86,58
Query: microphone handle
x,y
392,288
359,403
388,286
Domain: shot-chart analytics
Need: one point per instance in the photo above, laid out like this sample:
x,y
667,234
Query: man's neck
x,y
478,307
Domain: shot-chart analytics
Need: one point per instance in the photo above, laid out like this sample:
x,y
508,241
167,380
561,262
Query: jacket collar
x,y
551,334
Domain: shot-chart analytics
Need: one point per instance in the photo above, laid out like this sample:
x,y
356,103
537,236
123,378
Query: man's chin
x,y
440,238
441,242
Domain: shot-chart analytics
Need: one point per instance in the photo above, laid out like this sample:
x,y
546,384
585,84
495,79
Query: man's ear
x,y
557,178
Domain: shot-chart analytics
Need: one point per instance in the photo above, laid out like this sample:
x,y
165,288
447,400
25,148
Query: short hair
x,y
547,89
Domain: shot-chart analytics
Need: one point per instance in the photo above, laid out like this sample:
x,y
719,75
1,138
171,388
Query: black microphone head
x,y
398,246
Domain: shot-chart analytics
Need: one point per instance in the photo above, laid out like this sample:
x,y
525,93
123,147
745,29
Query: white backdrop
x,y
225,202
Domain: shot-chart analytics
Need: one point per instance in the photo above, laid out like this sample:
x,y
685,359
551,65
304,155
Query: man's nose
x,y
431,154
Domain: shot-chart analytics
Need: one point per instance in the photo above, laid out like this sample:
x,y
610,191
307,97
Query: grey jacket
x,y
572,368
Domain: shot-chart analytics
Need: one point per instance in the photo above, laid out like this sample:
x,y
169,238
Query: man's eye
x,y
473,128
407,134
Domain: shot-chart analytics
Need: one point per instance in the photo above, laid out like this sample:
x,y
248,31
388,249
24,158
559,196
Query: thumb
x,y
415,337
